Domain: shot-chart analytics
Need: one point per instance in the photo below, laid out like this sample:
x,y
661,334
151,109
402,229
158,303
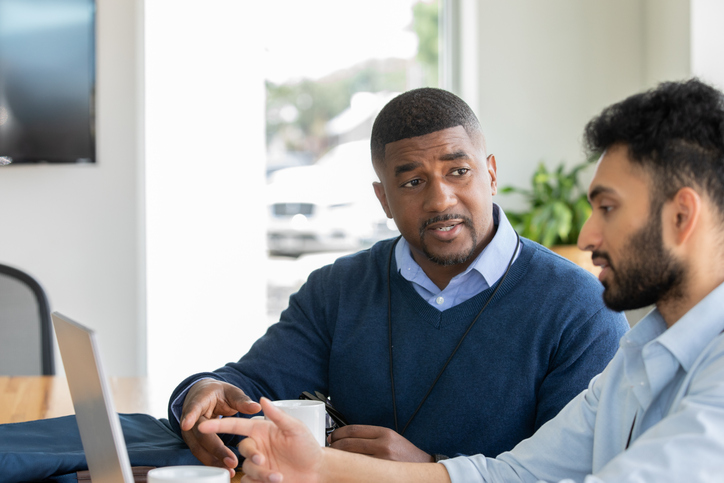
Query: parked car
x,y
327,206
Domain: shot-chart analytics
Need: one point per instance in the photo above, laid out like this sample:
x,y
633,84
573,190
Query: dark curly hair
x,y
419,112
675,132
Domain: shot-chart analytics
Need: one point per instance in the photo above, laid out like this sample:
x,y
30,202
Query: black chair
x,y
26,345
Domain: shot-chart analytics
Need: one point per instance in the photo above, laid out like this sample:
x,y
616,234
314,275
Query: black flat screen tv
x,y
47,81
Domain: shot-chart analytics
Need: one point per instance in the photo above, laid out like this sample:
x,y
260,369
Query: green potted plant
x,y
558,208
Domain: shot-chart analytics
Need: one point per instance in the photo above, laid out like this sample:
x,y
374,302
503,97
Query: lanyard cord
x,y
389,333
628,442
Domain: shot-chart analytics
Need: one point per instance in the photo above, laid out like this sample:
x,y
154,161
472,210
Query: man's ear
x,y
682,214
493,172
382,196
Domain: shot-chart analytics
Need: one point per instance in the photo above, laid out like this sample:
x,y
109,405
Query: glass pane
x,y
330,67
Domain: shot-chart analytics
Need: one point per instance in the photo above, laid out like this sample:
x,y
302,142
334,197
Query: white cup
x,y
312,413
188,474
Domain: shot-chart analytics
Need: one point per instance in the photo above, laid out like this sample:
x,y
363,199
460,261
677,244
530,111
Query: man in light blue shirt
x,y
656,413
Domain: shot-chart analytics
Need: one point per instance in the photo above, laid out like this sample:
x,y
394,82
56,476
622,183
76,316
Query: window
x,y
331,66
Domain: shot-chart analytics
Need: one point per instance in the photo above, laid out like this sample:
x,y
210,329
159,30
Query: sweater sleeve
x,y
292,357
584,350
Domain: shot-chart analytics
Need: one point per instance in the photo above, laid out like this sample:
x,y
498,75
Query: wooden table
x,y
27,398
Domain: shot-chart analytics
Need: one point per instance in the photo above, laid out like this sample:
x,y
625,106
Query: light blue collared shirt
x,y
487,268
670,381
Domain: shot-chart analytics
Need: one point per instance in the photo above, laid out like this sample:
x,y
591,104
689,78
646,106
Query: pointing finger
x,y
240,426
279,417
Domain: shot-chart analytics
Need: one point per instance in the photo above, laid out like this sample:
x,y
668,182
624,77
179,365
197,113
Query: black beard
x,y
648,275
454,258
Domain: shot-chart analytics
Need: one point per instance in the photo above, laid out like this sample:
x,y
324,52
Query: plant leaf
x,y
558,207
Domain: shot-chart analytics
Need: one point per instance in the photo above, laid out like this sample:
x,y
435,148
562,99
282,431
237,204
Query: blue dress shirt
x,y
487,268
663,392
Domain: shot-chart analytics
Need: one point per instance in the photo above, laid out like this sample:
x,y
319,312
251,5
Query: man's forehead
x,y
615,174
455,139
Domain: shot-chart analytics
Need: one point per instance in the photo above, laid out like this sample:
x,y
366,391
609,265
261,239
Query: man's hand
x,y
281,445
379,442
207,400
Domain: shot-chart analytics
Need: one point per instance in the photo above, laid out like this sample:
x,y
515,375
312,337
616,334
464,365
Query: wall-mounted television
x,y
47,81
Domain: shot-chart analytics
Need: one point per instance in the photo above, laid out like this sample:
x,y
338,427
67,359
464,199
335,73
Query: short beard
x,y
454,258
647,275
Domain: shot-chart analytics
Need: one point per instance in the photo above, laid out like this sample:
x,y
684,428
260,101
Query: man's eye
x,y
412,183
605,208
460,171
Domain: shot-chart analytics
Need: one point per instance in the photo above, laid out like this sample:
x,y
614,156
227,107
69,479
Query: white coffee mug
x,y
312,413
188,474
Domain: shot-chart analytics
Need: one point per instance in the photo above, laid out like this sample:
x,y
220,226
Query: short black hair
x,y
419,112
675,132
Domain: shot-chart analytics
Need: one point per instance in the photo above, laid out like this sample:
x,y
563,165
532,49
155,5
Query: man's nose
x,y
590,237
439,197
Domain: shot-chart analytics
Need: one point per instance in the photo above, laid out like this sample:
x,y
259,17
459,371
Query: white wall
x,y
545,68
206,218
79,228
707,49
181,231
667,40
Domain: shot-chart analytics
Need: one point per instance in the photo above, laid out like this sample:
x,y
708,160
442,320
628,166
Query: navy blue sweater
x,y
543,336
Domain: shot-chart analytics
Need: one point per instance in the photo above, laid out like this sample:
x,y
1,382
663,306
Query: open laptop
x,y
98,422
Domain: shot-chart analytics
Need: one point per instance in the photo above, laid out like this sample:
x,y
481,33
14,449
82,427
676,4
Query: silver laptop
x,y
98,423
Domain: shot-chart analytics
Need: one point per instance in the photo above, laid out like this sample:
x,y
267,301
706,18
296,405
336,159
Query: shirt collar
x,y
491,263
646,345
648,329
688,337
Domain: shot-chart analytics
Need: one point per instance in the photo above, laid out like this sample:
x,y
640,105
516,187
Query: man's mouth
x,y
444,222
445,228
448,239
602,261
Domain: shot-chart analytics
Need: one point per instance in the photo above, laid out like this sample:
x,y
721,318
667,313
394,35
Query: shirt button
x,y
440,300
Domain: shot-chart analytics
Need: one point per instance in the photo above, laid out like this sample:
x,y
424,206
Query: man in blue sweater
x,y
457,338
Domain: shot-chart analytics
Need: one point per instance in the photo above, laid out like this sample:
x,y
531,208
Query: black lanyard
x,y
630,433
389,332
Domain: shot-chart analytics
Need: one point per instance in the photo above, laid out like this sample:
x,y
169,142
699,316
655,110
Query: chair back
x,y
26,346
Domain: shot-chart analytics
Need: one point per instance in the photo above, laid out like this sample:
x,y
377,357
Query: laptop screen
x,y
98,423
